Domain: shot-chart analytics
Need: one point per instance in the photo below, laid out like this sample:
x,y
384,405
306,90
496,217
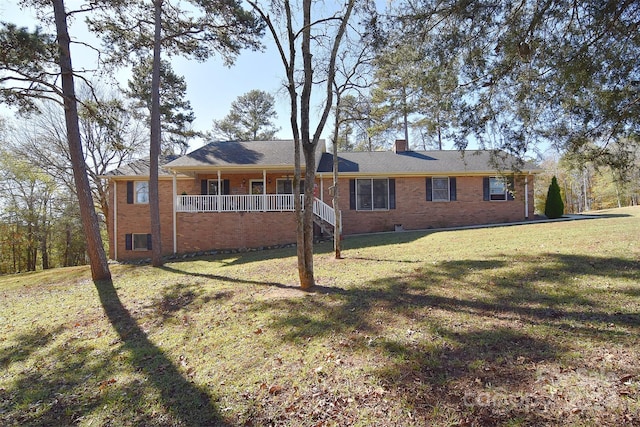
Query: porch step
x,y
327,229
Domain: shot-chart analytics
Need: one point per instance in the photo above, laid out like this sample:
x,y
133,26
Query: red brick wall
x,y
413,211
225,230
199,231
135,219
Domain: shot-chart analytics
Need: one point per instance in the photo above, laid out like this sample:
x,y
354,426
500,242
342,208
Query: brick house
x,y
239,195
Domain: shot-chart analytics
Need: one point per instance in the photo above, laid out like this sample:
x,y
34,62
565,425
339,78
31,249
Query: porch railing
x,y
250,203
243,203
324,211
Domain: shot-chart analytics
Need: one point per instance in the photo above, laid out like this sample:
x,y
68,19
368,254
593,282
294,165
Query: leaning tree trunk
x,y
95,249
154,145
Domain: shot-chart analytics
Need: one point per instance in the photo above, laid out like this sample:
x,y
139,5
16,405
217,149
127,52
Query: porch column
x,y
264,190
175,214
218,199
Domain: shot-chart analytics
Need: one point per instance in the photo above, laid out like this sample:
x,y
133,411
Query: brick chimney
x,y
400,146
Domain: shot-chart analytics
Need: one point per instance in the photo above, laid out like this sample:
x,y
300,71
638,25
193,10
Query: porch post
x,y
218,199
264,190
175,214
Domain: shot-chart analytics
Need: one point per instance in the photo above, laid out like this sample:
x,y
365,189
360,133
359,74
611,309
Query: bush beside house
x,y
554,207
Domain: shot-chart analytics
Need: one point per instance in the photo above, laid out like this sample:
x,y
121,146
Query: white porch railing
x,y
324,211
244,203
250,203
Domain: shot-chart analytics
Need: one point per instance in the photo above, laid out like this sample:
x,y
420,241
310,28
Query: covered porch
x,y
251,203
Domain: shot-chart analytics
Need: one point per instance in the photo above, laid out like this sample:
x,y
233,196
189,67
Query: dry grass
x,y
524,325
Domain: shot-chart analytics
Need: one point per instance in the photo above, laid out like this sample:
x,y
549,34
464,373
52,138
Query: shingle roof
x,y
236,153
140,167
410,162
266,154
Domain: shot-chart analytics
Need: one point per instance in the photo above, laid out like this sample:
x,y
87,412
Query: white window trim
x,y
133,242
251,182
505,194
209,181
373,209
135,192
291,181
433,188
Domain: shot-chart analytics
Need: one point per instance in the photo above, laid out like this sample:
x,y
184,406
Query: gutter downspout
x,y
175,214
115,220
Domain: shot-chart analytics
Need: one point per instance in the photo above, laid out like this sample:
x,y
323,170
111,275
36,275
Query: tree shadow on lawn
x,y
57,390
239,257
26,344
186,402
491,339
63,381
227,278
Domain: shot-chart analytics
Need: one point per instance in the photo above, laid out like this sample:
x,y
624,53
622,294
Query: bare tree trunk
x,y
97,257
305,254
337,229
154,145
301,134
67,246
31,262
43,238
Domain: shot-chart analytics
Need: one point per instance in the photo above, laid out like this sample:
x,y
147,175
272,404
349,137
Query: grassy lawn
x,y
524,325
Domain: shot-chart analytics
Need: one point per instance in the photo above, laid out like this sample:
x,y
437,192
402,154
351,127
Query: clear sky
x,y
211,87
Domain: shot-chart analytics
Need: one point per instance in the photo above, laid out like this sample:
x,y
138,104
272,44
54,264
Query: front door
x,y
256,188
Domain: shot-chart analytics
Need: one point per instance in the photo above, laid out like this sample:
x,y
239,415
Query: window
x,y
212,187
137,242
257,187
141,192
140,242
285,186
440,190
498,188
137,192
372,194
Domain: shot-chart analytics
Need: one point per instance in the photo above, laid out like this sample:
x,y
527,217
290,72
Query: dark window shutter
x,y
226,187
429,189
510,188
129,192
204,187
149,241
352,194
452,189
485,188
392,194
128,242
